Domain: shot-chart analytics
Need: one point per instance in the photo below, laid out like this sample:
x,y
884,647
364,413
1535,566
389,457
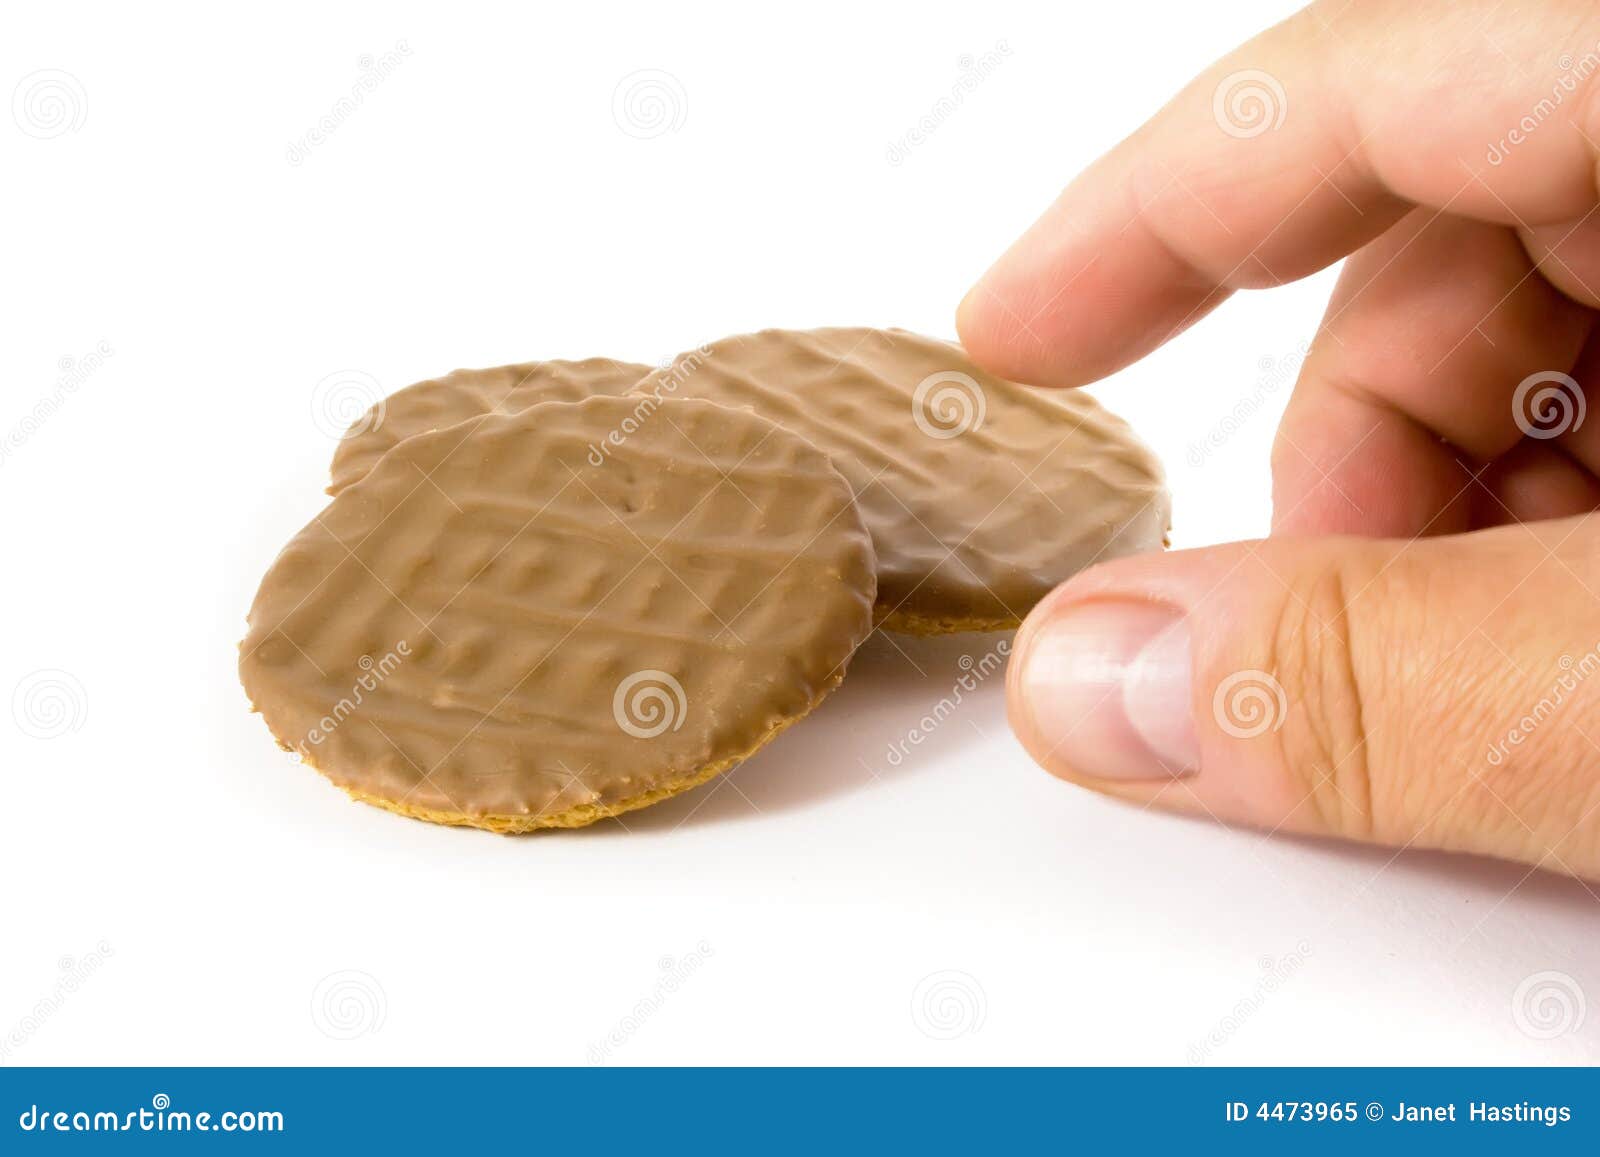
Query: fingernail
x,y
1102,689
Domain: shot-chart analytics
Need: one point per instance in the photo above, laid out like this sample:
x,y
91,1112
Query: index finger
x,y
1300,147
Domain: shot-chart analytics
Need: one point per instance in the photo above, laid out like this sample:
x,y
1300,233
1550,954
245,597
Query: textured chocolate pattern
x,y
441,402
544,618
981,495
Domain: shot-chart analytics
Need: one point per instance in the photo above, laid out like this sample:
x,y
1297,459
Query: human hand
x,y
1434,681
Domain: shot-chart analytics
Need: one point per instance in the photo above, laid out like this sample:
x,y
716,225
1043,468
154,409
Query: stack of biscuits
x,y
549,593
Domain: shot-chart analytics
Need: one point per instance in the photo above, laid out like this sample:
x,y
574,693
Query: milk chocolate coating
x,y
981,494
542,618
441,402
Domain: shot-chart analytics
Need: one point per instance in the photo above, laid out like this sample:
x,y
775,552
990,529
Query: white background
x,y
484,205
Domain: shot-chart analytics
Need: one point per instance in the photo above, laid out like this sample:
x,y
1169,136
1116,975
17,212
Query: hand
x,y
1434,682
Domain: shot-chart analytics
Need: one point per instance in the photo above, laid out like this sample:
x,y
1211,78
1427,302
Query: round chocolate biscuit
x,y
440,402
541,619
981,494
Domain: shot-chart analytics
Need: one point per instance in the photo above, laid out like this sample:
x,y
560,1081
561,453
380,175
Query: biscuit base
x,y
910,623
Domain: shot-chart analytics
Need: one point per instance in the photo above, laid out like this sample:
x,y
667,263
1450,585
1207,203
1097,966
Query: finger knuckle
x,y
1323,740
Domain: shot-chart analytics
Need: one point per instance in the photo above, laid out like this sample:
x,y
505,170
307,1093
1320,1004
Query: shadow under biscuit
x,y
906,701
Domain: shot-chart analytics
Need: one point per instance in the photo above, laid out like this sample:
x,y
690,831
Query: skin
x,y
1434,571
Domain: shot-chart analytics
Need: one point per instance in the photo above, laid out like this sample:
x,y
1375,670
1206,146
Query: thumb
x,y
1432,693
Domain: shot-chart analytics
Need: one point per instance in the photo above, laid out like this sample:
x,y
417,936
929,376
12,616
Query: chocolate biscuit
x,y
441,402
981,494
541,619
